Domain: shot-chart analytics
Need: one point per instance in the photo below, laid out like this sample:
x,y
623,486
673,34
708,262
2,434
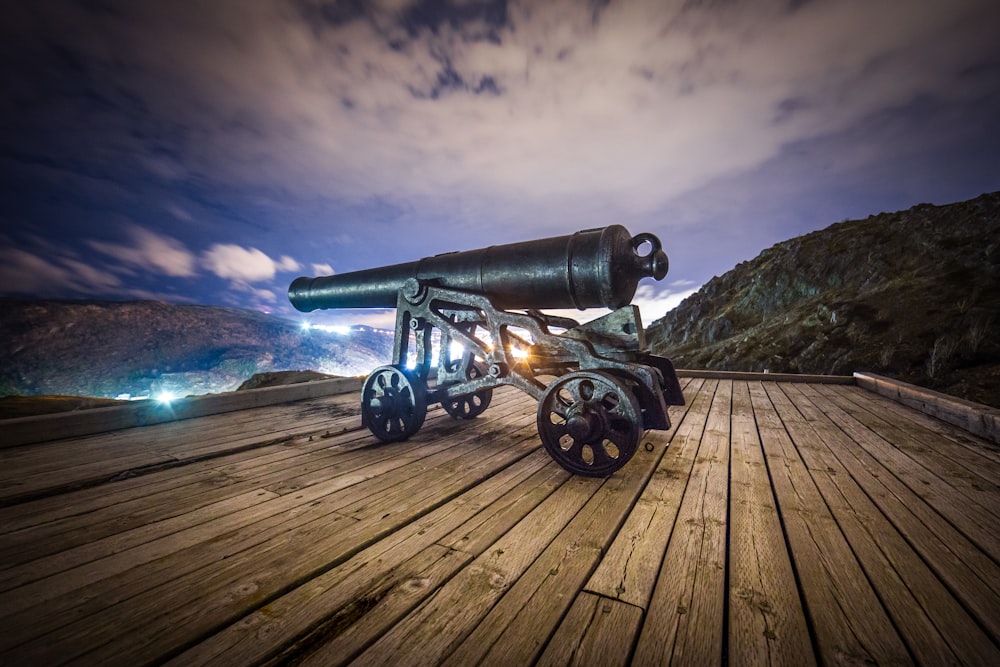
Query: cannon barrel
x,y
590,268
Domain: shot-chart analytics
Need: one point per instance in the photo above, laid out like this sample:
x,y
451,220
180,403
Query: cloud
x,y
545,106
22,272
654,303
286,264
58,273
151,252
237,263
377,132
322,270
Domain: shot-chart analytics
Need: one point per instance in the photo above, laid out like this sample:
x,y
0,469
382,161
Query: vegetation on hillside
x,y
914,295
140,348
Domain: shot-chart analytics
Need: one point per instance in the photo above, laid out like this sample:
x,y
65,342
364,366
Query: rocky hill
x,y
914,295
140,348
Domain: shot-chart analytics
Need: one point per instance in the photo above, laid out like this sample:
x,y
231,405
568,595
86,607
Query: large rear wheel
x,y
590,423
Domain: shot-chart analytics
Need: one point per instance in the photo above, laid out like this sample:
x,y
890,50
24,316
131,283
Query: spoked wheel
x,y
470,405
590,423
393,403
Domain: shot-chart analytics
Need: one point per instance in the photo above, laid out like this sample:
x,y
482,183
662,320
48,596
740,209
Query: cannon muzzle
x,y
588,269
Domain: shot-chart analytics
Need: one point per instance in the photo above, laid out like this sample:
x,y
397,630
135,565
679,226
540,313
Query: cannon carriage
x,y
468,322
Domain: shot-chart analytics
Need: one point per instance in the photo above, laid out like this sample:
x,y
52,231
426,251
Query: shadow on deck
x,y
781,522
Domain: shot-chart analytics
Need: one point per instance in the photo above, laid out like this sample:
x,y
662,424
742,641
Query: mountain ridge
x,y
913,294
112,348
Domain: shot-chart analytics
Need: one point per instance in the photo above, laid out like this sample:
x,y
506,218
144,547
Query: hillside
x,y
110,348
913,294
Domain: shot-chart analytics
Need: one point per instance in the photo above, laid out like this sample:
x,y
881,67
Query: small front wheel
x,y
590,423
393,403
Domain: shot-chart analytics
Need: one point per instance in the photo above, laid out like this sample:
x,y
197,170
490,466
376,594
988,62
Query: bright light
x,y
341,329
518,353
166,397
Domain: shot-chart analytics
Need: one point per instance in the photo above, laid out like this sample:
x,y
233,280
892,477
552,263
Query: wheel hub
x,y
584,425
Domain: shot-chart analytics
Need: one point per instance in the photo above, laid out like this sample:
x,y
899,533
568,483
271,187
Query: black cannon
x,y
479,310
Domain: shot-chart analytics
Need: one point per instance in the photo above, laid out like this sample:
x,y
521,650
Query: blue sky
x,y
210,152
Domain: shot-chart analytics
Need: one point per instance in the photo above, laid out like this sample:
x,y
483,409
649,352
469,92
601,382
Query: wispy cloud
x,y
120,268
59,273
654,302
150,251
322,269
23,272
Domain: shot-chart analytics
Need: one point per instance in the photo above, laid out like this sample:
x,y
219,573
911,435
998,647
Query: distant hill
x,y
914,295
140,348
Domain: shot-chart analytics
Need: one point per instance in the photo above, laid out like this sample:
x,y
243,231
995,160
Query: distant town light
x,y
341,329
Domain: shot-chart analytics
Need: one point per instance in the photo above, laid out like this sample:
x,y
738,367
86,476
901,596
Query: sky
x,y
212,151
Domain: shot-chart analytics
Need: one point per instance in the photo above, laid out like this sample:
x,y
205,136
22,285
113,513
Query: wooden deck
x,y
777,522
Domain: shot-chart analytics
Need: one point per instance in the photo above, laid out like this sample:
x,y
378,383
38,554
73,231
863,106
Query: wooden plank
x,y
764,377
972,577
475,535
173,501
848,620
518,626
384,608
173,444
922,423
173,438
44,428
629,569
89,467
126,549
266,521
411,487
971,518
959,468
228,589
685,617
217,431
325,610
933,623
270,472
893,421
448,616
592,632
926,614
766,622
360,635
976,418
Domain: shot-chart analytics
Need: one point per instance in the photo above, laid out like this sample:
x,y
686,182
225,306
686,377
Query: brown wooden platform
x,y
777,522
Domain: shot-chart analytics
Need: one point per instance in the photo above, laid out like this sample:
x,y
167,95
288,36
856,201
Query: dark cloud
x,y
355,134
484,18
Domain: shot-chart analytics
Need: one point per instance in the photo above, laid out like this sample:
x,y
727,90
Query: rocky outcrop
x,y
913,294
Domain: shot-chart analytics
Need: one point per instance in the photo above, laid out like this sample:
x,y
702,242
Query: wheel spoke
x,y
601,458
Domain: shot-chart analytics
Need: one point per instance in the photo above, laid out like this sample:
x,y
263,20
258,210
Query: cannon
x,y
597,387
